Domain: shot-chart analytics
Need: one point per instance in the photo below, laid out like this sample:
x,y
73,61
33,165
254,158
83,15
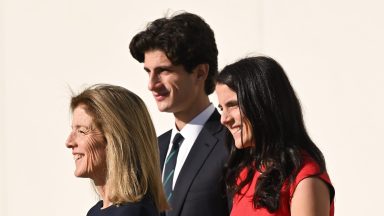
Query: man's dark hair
x,y
186,39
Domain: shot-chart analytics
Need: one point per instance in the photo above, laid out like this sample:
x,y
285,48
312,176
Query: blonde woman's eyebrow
x,y
81,126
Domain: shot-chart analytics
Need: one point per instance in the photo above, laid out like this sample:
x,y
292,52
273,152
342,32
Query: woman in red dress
x,y
274,167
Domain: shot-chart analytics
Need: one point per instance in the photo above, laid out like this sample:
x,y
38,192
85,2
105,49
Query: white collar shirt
x,y
190,132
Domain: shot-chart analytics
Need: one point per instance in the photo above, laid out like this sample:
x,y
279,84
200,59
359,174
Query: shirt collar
x,y
193,128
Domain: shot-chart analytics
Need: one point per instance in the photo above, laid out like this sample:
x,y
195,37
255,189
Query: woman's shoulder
x,y
146,206
310,168
94,211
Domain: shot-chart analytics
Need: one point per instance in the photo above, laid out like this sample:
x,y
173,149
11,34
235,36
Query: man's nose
x,y
153,81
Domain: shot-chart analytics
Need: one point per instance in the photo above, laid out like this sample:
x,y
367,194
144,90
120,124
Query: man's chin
x,y
163,108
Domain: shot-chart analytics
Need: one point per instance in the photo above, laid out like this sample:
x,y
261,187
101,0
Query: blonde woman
x,y
114,143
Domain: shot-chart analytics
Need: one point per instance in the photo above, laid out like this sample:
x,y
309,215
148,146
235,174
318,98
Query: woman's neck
x,y
102,190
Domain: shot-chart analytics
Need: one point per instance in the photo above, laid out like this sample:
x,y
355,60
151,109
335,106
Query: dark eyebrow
x,y
231,103
161,68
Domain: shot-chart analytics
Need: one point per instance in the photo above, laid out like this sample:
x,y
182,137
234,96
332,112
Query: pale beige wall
x,y
53,45
330,50
2,113
333,53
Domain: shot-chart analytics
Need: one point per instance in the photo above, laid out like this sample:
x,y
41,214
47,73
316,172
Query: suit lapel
x,y
200,150
164,140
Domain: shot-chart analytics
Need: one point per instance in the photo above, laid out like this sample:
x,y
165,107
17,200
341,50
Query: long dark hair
x,y
267,99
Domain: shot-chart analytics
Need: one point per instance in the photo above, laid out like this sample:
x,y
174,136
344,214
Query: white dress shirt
x,y
190,132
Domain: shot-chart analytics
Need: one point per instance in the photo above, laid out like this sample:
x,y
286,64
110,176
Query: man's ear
x,y
202,71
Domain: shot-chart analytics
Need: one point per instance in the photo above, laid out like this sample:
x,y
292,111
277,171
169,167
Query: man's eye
x,y
162,71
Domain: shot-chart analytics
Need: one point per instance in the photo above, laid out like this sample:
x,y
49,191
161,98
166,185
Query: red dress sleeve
x,y
311,169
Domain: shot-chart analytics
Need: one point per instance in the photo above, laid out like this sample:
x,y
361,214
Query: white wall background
x,y
331,50
2,114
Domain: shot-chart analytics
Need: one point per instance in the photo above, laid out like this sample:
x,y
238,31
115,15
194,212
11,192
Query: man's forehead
x,y
157,58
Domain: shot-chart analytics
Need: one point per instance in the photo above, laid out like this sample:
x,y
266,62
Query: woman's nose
x,y
224,119
69,143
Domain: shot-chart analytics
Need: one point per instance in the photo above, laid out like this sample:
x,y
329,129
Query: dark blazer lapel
x,y
164,140
201,149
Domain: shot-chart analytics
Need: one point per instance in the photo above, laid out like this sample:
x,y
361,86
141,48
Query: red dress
x,y
242,205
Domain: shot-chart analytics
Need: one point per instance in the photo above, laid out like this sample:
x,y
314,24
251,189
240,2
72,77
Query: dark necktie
x,y
170,163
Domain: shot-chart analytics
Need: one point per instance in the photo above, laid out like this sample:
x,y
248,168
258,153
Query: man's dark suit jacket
x,y
199,188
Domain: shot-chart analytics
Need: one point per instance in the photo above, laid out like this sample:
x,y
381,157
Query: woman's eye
x,y
233,106
81,131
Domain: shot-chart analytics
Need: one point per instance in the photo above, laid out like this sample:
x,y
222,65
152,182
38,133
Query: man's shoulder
x,y
213,123
164,136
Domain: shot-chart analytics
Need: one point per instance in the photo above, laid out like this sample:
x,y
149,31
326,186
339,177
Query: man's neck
x,y
182,118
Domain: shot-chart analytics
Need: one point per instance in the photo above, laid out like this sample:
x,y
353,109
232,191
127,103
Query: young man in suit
x,y
180,56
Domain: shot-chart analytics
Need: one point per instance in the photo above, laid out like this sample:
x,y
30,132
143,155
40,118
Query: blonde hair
x,y
132,154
